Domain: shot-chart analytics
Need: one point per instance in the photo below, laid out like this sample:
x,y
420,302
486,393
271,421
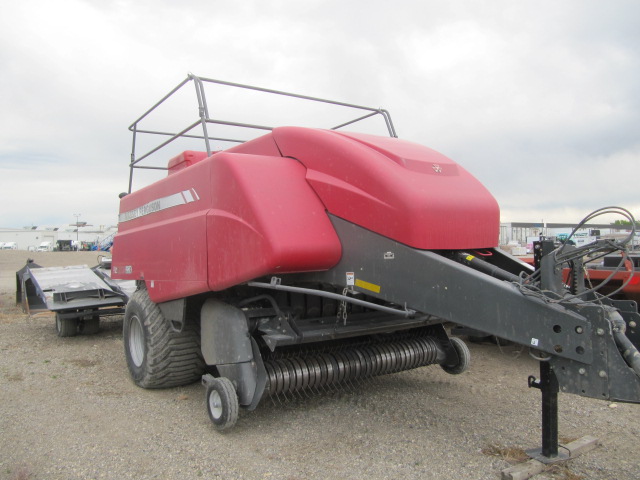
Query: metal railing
x,y
204,120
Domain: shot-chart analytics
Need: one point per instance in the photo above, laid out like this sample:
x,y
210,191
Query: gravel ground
x,y
69,411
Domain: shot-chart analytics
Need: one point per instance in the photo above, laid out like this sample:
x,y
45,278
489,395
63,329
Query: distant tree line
x,y
625,223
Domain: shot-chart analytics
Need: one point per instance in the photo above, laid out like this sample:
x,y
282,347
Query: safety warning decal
x,y
351,277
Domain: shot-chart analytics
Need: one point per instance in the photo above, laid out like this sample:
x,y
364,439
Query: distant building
x,y
522,232
29,238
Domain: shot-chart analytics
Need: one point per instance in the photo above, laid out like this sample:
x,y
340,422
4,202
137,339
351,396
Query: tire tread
x,y
172,358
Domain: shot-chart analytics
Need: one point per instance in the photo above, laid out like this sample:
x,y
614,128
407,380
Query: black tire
x,y
222,403
157,356
90,326
66,327
464,357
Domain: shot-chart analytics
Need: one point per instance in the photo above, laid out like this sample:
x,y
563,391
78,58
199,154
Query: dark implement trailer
x,y
310,258
78,295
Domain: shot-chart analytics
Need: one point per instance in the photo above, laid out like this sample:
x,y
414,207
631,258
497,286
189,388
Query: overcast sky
x,y
539,100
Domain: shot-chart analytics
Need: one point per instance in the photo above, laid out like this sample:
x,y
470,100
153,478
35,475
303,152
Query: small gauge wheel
x,y
222,403
464,357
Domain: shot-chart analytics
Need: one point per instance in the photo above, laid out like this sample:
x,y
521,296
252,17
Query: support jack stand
x,y
550,452
548,385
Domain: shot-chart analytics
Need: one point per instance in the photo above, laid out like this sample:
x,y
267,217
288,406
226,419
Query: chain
x,y
342,308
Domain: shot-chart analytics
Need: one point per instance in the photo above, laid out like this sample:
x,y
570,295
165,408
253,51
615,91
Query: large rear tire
x,y
158,356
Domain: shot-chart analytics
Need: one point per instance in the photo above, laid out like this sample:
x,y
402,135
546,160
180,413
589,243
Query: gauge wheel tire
x,y
222,403
90,326
158,356
66,327
464,357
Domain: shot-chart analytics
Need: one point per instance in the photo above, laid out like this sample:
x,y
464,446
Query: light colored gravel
x,y
69,411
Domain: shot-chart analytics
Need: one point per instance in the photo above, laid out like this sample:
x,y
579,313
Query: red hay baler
x,y
309,258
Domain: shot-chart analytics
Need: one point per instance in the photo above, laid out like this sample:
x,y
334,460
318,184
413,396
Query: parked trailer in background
x,y
78,295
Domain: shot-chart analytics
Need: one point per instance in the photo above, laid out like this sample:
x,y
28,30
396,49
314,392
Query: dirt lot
x,y
69,411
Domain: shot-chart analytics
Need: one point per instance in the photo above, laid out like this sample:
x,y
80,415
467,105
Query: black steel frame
x,y
582,355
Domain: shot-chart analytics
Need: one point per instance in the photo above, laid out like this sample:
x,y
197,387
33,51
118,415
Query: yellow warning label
x,y
470,257
368,286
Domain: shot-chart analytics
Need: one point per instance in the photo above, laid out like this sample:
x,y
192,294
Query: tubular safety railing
x,y
204,120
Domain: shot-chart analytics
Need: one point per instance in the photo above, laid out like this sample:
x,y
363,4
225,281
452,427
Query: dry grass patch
x,y
508,454
514,455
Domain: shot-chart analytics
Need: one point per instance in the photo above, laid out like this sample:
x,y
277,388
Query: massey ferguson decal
x,y
181,198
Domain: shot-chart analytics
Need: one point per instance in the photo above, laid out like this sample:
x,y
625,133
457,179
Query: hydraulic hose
x,y
485,267
627,349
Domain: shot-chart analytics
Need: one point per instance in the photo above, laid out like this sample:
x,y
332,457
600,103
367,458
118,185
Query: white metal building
x,y
29,238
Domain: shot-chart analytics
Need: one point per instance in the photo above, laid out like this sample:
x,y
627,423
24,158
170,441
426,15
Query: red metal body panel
x,y
264,145
167,248
266,219
251,211
185,159
399,189
230,218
